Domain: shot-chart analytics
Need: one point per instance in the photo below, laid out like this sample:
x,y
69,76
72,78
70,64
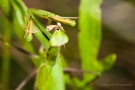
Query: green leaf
x,y
89,35
6,55
59,38
5,6
55,80
90,38
108,61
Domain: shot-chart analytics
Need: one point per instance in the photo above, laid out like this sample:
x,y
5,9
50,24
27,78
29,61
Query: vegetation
x,y
48,61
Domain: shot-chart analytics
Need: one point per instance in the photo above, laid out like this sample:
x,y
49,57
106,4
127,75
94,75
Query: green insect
x,y
59,37
52,16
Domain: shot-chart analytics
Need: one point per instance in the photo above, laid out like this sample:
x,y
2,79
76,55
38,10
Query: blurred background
x,y
118,36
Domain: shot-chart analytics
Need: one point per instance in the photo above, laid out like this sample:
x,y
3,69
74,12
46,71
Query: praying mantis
x,y
59,38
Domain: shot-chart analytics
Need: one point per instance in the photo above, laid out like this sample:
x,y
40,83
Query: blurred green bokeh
x,y
117,37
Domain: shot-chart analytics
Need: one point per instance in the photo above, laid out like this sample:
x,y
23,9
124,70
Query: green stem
x,y
6,59
5,68
40,26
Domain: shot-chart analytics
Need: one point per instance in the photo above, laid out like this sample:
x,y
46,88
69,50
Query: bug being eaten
x,y
55,27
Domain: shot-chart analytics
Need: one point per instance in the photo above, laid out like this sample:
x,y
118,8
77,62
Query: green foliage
x,y
6,58
90,38
108,61
53,80
49,60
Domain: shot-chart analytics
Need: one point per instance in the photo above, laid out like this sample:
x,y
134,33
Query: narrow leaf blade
x,y
108,61
54,81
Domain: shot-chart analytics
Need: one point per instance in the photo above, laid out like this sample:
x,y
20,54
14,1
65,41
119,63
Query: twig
x,y
23,83
80,71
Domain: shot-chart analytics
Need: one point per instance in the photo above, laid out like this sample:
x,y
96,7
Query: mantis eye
x,y
60,26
